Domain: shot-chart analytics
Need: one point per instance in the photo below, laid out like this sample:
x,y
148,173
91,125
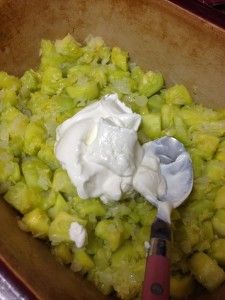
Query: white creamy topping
x,y
148,180
100,151
78,234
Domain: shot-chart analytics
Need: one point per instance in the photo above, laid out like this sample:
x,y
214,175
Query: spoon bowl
x,y
176,168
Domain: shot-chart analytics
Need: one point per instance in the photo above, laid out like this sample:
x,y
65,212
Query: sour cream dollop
x,y
99,149
78,234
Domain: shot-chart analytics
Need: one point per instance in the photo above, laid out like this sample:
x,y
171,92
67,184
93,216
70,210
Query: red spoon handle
x,y
157,278
157,272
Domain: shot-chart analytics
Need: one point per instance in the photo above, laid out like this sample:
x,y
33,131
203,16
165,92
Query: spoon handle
x,y
157,271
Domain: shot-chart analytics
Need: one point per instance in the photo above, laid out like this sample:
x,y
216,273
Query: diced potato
x,y
62,183
63,253
89,207
52,81
59,206
15,120
205,144
207,230
126,253
9,170
46,154
220,156
112,232
15,175
7,98
102,278
215,170
178,94
48,199
30,81
119,58
206,271
124,86
151,125
151,83
37,222
59,227
182,237
218,222
181,286
94,244
35,136
206,235
155,102
122,284
143,111
181,132
79,71
144,213
167,113
176,254
9,82
63,104
196,115
141,101
23,198
49,56
193,234
129,101
222,146
85,91
36,173
68,46
97,44
137,74
199,210
61,55
198,163
81,261
220,198
217,251
216,128
98,74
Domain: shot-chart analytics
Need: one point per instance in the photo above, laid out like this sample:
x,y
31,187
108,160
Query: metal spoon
x,y
176,167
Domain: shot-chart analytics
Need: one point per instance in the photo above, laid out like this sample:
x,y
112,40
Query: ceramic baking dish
x,y
159,35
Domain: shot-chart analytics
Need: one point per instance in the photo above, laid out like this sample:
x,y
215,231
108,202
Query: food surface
x,y
105,240
105,159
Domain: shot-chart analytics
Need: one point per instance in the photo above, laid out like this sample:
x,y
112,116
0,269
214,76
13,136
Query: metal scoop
x,y
176,167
